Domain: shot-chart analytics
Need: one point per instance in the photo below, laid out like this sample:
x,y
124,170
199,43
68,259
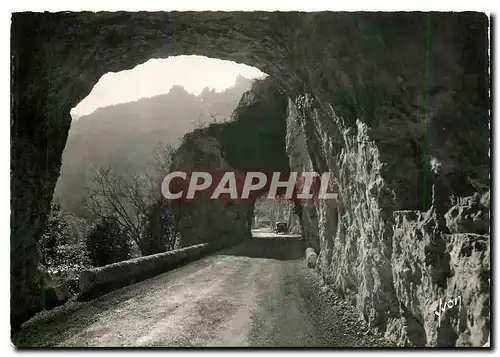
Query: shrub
x,y
61,256
106,243
57,232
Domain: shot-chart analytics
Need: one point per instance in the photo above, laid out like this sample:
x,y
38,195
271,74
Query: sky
x,y
157,76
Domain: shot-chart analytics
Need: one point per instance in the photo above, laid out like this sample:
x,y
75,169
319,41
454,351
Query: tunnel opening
x,y
56,70
134,117
277,214
275,231
253,141
269,213
107,205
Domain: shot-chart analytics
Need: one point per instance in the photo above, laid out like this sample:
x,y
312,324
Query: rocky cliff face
x,y
399,116
252,140
394,265
433,265
205,220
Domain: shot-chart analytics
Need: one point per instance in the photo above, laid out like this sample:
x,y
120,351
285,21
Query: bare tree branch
x,y
130,196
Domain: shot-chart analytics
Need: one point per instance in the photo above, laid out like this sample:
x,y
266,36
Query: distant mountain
x,y
125,135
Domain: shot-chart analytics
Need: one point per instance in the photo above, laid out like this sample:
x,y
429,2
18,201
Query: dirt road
x,y
247,295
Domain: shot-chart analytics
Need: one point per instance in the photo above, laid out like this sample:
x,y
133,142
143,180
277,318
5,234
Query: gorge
x,y
400,118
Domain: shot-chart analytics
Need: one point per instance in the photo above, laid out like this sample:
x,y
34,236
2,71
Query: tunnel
x,y
370,104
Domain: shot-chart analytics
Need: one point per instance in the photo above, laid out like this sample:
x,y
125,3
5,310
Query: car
x,y
281,227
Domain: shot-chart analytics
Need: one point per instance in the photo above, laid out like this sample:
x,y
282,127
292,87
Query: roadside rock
x,y
56,295
469,215
311,258
430,266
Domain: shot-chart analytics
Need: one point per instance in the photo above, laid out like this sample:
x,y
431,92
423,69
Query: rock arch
x,y
56,60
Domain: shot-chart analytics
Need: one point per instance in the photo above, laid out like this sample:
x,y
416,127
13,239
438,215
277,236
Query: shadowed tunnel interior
x,y
288,248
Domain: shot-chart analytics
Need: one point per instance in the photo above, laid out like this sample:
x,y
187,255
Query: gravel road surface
x,y
258,293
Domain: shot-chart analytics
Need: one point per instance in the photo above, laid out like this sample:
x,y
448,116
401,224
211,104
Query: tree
x,y
106,243
125,198
57,233
160,227
161,163
134,201
62,254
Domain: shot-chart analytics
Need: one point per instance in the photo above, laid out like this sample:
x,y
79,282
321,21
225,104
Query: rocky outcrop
x,y
394,266
252,140
388,157
298,154
431,267
54,291
470,214
420,267
393,114
206,220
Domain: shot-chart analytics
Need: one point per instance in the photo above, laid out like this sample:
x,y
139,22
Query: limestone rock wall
x,y
393,265
206,220
353,237
431,266
297,151
393,146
